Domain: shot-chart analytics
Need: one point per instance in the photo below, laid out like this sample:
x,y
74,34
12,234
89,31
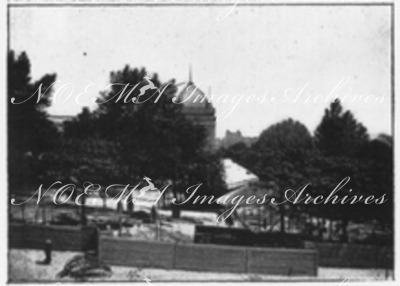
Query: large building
x,y
198,109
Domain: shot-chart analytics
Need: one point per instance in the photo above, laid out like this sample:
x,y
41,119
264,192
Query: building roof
x,y
251,191
242,183
193,98
237,176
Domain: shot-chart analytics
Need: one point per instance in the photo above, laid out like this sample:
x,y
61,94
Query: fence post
x,y
316,253
99,248
247,260
174,255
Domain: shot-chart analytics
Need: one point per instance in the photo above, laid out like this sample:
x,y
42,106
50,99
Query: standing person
x,y
154,214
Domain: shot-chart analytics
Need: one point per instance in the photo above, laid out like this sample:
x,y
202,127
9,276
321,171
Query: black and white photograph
x,y
200,141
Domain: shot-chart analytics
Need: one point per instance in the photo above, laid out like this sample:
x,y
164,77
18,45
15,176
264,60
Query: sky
x,y
262,64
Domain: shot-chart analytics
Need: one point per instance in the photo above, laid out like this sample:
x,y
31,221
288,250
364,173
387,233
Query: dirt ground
x,y
23,267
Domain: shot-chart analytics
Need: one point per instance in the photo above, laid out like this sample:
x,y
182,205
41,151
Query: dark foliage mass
x,y
121,141
30,133
125,138
287,155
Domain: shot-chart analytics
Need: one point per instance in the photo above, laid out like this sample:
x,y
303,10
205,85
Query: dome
x,y
197,108
193,97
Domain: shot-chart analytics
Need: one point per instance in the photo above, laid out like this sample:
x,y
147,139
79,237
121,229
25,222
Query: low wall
x,y
207,257
352,255
74,238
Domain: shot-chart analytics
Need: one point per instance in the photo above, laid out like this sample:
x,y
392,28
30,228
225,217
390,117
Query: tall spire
x,y
190,74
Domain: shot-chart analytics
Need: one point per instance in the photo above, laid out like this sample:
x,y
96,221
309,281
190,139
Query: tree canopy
x,y
30,132
289,156
150,134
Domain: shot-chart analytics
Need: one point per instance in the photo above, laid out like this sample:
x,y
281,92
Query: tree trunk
x,y
271,218
44,214
104,199
83,210
176,211
164,201
345,223
282,214
130,205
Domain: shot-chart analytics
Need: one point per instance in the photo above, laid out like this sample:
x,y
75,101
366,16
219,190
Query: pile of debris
x,y
84,266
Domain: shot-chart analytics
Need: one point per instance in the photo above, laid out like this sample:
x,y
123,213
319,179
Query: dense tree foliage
x,y
30,133
345,150
289,156
149,133
136,131
339,133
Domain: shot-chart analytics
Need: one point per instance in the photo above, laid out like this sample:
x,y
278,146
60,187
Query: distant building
x,y
232,138
198,109
242,183
237,176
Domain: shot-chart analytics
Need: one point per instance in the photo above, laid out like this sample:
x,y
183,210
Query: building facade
x,y
198,109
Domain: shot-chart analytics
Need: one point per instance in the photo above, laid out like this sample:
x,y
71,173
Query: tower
x,y
198,108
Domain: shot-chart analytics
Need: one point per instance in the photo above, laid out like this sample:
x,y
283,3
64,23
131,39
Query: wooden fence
x,y
207,257
332,254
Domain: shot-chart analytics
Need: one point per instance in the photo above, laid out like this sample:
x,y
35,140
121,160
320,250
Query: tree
x,y
30,132
339,133
282,149
97,156
344,150
150,135
153,135
378,161
84,125
280,155
238,152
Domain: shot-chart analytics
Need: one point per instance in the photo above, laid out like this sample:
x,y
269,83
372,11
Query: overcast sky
x,y
278,54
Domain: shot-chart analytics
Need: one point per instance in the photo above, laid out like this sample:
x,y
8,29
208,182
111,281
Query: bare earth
x,y
23,267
